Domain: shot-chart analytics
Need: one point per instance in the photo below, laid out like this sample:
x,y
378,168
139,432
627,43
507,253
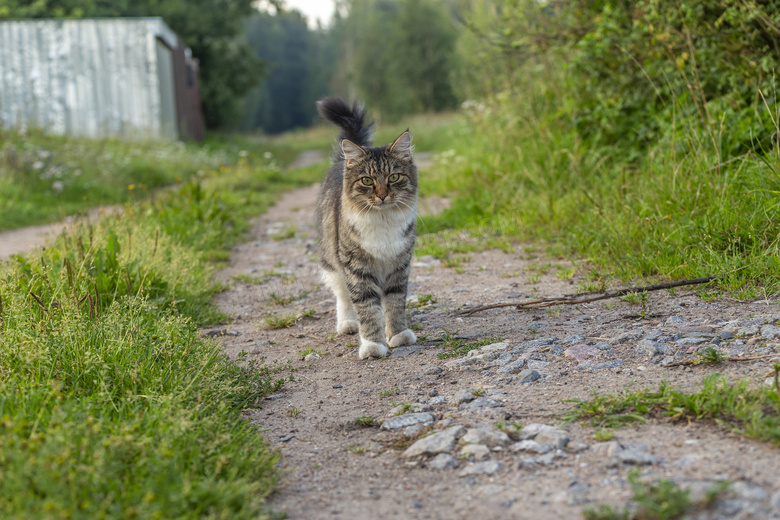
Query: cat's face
x,y
380,178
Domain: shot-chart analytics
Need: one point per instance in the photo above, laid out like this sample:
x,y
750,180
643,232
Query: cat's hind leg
x,y
346,319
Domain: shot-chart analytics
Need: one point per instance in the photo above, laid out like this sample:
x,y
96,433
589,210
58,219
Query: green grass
x,y
272,321
751,411
657,500
454,347
111,405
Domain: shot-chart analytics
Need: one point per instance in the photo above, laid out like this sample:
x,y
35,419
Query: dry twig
x,y
576,299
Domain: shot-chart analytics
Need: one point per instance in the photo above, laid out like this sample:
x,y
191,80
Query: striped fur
x,y
366,214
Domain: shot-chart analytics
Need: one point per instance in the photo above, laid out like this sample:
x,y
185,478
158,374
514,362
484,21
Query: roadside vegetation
x,y
111,404
638,136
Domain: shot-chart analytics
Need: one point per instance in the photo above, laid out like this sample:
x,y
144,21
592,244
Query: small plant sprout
x,y
294,412
555,310
389,392
603,434
564,274
272,321
364,421
311,350
636,298
358,449
712,356
423,300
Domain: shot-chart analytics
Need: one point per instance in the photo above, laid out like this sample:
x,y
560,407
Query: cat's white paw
x,y
370,349
347,327
405,337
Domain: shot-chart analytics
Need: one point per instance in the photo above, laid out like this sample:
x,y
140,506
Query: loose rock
x,y
488,467
440,442
486,436
443,461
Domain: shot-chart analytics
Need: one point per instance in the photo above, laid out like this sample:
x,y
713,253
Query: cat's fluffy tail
x,y
352,120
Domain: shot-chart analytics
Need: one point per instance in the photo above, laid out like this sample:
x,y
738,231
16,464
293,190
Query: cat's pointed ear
x,y
352,151
403,145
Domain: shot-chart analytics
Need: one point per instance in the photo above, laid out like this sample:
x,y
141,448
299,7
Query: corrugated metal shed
x,y
93,77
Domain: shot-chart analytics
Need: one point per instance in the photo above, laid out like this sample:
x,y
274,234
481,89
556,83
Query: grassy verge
x,y
659,500
752,411
111,405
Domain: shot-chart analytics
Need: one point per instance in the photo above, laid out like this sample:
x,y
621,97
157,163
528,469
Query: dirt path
x,y
335,469
24,239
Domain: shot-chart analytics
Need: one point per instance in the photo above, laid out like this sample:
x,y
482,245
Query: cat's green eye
x,y
394,177
368,181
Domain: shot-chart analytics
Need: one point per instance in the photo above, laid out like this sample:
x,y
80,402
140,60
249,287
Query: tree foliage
x,y
399,54
299,63
638,67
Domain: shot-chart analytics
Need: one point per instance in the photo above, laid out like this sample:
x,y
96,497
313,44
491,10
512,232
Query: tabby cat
x,y
366,212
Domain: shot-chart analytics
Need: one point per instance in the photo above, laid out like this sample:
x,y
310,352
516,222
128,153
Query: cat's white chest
x,y
383,234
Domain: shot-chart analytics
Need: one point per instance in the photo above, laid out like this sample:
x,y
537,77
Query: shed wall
x,y
92,77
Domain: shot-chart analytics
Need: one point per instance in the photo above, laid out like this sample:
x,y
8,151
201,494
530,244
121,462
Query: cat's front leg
x,y
395,309
368,307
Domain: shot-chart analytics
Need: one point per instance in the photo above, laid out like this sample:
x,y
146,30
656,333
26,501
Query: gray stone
x,y
648,347
636,458
535,343
504,358
463,396
750,330
409,419
770,332
528,376
685,342
557,438
603,345
571,340
548,458
748,491
726,335
698,490
537,365
625,337
488,467
439,399
487,436
493,347
536,356
578,493
558,350
312,357
478,451
432,371
532,446
674,320
443,461
608,364
413,430
479,404
576,447
581,351
440,442
529,463
470,362
399,352
530,431
606,449
512,368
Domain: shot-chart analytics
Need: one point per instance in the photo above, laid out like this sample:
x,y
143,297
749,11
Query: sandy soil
x,y
335,470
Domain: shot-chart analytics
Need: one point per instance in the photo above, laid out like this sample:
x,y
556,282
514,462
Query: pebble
x,y
409,419
558,438
532,446
649,347
479,359
530,431
770,332
512,368
432,371
528,376
488,467
603,345
478,451
440,442
636,457
443,461
486,436
312,357
609,364
463,396
581,351
535,343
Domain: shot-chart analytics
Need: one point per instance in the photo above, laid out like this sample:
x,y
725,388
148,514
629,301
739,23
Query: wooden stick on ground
x,y
693,362
576,299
